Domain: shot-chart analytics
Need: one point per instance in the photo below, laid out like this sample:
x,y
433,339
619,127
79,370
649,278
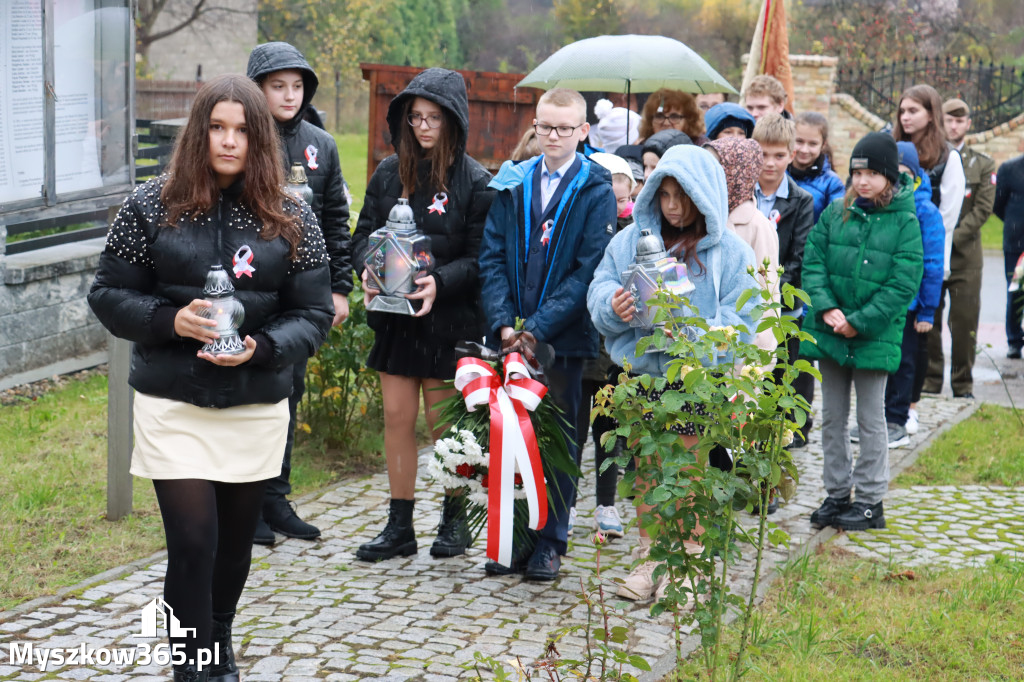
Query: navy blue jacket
x,y
577,245
1009,204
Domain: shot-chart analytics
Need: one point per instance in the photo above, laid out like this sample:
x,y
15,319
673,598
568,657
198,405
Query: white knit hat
x,y
614,165
610,131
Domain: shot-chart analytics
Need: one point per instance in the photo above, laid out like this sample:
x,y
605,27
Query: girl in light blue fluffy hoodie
x,y
685,202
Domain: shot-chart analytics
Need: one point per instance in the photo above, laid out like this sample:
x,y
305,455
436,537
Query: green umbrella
x,y
629,63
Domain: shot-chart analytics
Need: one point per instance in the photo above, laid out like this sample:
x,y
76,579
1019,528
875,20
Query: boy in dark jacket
x,y
791,210
1009,207
289,83
545,234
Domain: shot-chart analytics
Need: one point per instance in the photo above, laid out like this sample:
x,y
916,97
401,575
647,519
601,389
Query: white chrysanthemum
x,y
441,449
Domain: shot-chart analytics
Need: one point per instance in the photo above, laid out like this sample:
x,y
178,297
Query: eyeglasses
x,y
433,120
543,129
673,118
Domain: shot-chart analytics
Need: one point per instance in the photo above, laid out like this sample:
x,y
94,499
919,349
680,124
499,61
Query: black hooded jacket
x,y
316,151
148,271
455,233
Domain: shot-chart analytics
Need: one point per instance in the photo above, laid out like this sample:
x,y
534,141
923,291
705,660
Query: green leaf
x,y
639,663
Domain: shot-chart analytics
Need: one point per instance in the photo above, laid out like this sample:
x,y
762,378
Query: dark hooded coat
x,y
316,150
454,233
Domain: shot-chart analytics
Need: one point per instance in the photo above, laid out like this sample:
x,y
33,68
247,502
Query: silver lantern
x,y
640,279
226,310
652,270
396,255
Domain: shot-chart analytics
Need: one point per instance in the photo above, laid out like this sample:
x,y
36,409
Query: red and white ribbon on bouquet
x,y
513,444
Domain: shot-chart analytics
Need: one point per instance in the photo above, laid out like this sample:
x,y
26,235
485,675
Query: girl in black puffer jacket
x,y
210,429
448,193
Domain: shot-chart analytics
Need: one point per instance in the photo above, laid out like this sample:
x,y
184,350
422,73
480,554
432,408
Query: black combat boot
x,y
398,537
453,533
224,669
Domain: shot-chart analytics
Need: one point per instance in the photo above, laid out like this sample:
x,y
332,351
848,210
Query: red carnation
x,y
465,470
518,480
485,481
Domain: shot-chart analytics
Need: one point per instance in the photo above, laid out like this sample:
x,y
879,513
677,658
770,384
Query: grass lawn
x,y
53,493
992,234
834,616
352,153
984,449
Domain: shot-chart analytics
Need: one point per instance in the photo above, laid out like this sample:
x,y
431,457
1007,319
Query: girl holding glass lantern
x,y
448,200
211,420
685,203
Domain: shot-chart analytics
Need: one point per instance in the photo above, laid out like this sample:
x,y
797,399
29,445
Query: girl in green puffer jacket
x,y
862,268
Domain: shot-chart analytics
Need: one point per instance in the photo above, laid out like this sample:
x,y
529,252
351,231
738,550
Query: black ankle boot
x,y
830,509
861,516
281,517
453,534
188,673
224,668
398,537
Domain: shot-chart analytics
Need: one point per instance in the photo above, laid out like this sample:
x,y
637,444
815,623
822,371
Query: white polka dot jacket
x,y
148,271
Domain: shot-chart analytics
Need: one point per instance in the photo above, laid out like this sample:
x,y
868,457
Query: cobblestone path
x,y
310,611
949,525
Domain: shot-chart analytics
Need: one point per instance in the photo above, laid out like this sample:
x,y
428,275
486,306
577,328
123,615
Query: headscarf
x,y
742,161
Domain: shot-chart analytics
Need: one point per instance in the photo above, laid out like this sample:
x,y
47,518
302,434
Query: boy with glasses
x,y
545,234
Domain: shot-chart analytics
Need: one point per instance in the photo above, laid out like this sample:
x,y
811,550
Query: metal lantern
x,y
397,254
652,269
226,310
298,185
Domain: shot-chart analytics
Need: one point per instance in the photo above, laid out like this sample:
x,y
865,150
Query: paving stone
x,y
310,611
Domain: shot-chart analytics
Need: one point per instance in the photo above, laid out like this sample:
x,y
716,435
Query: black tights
x,y
209,528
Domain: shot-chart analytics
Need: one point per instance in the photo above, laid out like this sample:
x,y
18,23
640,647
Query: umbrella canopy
x,y
629,63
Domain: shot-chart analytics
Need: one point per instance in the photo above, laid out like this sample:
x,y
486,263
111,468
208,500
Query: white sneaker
x,y
639,585
572,519
912,424
608,521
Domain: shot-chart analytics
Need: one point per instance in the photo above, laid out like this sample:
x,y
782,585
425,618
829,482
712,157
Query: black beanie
x,y
877,152
661,141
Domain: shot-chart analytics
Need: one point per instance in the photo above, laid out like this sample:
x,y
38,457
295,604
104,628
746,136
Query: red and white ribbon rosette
x,y
513,444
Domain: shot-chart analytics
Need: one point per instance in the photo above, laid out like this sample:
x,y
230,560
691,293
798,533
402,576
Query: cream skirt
x,y
174,439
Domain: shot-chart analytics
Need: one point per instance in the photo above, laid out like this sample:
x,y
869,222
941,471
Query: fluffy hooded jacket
x,y
148,271
316,151
868,264
577,244
703,181
933,236
454,231
727,115
821,181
